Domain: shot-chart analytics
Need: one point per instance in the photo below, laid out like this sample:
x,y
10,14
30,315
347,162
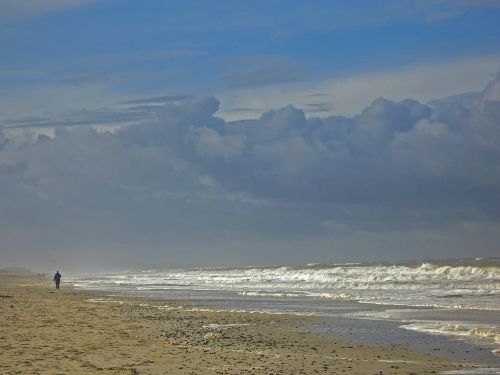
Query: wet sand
x,y
44,331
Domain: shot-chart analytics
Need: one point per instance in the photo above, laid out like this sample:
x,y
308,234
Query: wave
x,y
474,371
339,296
482,329
481,332
486,332
383,277
473,284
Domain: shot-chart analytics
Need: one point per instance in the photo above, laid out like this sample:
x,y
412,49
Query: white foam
x,y
103,300
269,294
239,311
473,371
458,286
218,327
486,332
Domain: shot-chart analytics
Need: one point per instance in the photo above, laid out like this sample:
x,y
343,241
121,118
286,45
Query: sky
x,y
146,134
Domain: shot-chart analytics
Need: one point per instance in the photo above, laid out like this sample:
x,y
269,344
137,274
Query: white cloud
x,y
350,94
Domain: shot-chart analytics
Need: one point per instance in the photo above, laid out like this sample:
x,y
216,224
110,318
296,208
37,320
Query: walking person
x,y
57,279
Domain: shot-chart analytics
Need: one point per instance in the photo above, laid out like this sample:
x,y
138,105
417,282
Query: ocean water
x,y
457,301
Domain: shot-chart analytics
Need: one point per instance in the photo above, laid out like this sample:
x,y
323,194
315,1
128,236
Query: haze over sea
x,y
457,301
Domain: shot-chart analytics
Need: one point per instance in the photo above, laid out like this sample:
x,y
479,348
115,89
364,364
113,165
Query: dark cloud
x,y
189,186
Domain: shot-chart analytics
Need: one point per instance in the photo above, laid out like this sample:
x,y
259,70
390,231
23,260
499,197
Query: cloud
x,y
350,94
157,99
191,183
212,144
94,118
320,107
52,99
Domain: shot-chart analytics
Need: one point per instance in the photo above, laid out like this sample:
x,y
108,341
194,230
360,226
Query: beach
x,y
45,331
446,307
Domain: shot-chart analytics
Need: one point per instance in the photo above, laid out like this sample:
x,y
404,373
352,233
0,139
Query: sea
x,y
448,308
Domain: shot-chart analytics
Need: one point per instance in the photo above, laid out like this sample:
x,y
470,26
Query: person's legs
x,y
57,284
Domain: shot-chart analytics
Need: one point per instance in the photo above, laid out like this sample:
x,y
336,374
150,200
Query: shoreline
x,y
85,332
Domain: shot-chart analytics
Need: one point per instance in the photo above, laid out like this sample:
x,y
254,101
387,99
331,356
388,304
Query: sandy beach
x,y
44,331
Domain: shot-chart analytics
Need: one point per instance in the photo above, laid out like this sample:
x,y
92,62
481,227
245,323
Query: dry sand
x,y
44,331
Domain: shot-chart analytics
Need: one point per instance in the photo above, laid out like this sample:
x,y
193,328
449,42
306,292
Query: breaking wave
x,y
471,284
484,332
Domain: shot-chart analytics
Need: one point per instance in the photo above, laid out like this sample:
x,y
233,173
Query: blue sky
x,y
231,132
114,50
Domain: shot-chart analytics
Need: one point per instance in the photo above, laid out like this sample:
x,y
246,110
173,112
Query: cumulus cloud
x,y
187,178
212,144
349,95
